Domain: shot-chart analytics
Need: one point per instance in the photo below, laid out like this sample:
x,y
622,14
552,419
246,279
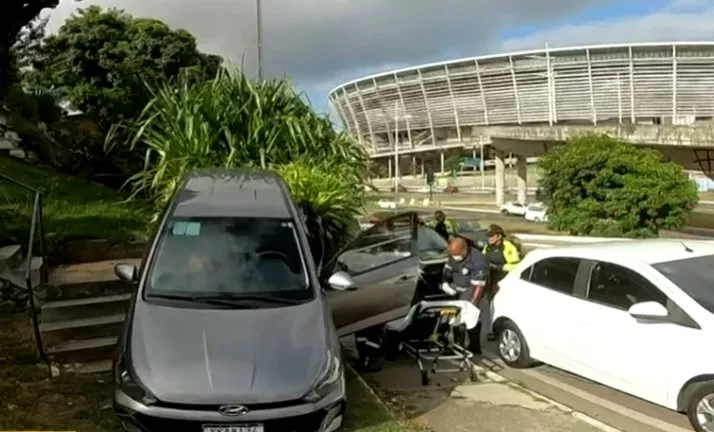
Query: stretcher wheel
x,y
473,375
424,378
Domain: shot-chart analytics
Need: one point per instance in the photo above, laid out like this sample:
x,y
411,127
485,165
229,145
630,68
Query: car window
x,y
620,287
430,244
555,273
234,256
694,276
385,243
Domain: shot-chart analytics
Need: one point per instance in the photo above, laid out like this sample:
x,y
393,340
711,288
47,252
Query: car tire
x,y
505,212
701,396
512,346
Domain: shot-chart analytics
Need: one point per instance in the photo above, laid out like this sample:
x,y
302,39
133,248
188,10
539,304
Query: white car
x,y
513,208
387,204
537,213
637,316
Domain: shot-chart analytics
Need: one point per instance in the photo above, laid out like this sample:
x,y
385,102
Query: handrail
x,y
36,225
21,184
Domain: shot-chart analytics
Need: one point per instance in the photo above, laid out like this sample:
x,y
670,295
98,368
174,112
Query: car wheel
x,y
512,347
505,212
700,408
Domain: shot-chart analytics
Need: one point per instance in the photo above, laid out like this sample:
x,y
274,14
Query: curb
x,y
483,370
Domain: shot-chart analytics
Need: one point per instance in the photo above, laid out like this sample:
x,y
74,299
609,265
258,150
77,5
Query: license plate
x,y
234,428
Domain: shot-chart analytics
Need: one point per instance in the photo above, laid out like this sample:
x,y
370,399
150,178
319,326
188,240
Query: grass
x,y
31,401
73,208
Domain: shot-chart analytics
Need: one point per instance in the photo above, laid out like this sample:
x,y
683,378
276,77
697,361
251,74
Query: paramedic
x,y
465,276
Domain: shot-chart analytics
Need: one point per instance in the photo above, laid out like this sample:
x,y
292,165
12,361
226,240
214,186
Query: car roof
x,y
651,251
239,192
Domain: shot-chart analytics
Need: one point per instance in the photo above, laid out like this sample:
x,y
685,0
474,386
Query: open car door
x,y
378,273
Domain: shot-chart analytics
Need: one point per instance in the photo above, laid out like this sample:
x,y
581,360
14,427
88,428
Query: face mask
x,y
458,258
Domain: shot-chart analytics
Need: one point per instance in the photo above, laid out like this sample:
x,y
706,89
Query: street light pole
x,y
396,151
259,37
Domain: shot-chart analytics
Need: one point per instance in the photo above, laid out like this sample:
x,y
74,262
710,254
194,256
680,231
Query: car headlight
x,y
328,378
128,384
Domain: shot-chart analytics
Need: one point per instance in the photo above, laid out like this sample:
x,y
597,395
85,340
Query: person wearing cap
x,y
442,225
502,256
465,276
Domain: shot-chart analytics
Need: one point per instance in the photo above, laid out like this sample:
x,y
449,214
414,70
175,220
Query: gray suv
x,y
230,328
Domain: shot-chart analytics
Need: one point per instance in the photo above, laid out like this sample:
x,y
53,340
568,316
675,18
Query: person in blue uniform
x,y
465,277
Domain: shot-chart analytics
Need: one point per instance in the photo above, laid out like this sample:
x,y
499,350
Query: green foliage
x,y
100,60
597,185
16,31
232,121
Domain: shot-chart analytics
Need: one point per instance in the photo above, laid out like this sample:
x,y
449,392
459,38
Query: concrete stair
x,y
83,316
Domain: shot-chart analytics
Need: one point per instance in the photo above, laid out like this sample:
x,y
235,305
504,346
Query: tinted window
x,y
384,243
620,287
200,256
694,276
555,273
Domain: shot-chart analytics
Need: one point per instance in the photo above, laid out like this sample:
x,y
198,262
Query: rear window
x,y
200,256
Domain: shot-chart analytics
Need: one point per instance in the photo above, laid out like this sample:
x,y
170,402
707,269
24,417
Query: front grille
x,y
305,423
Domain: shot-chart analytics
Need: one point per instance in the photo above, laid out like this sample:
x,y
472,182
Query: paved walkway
x,y
452,403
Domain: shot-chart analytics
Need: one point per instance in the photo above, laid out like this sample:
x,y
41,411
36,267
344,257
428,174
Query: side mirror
x,y
341,281
126,272
648,311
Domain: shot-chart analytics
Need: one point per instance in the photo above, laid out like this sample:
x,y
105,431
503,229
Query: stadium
x,y
491,108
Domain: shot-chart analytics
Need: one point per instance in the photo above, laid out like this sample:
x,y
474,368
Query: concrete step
x,y
10,257
77,281
92,367
89,307
84,350
16,275
54,333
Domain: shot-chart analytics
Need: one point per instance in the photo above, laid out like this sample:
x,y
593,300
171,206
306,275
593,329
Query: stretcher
x,y
434,333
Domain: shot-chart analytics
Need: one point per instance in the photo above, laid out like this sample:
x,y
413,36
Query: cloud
x,y
319,42
680,20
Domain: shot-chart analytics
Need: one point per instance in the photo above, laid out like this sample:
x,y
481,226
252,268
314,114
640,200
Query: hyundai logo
x,y
233,410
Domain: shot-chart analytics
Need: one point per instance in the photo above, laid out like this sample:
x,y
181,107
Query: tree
x,y
232,121
598,185
100,61
16,15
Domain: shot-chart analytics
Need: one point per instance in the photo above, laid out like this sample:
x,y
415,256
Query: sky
x,y
319,44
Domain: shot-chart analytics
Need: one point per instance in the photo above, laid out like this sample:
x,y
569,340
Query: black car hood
x,y
218,356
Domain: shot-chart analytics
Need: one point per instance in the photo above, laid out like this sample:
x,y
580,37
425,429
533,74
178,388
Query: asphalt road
x,y
616,409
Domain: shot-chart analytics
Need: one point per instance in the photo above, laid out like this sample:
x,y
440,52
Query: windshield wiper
x,y
237,298
211,300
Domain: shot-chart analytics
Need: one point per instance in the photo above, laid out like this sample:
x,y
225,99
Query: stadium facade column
x,y
441,155
389,162
500,172
414,171
522,185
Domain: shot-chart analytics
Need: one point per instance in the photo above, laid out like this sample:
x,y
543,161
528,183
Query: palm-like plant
x,y
232,121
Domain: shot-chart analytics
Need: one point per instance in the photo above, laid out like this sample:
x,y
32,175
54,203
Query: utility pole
x,y
259,37
396,150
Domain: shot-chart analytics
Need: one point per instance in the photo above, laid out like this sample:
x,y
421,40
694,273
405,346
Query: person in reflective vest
x,y
441,225
502,254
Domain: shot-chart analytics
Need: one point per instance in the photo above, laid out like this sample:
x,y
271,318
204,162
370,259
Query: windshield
x,y
430,245
229,257
694,276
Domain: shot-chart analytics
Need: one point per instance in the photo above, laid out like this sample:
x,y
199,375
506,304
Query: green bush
x,y
600,186
232,121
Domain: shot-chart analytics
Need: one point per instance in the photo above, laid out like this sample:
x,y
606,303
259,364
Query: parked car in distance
x,y
233,327
451,189
536,213
637,316
387,204
513,208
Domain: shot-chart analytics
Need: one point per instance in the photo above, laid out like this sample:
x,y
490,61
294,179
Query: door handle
x,y
404,278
